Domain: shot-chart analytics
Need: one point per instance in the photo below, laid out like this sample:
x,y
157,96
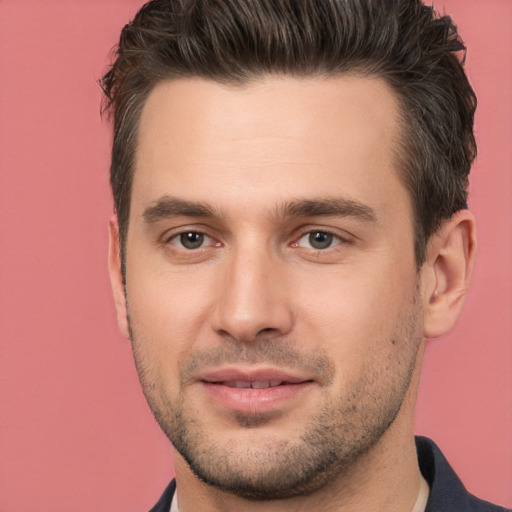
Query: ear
x,y
447,272
116,278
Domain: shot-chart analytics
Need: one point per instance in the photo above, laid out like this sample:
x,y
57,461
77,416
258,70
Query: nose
x,y
254,301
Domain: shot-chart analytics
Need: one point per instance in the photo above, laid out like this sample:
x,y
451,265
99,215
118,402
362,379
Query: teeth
x,y
261,384
255,385
238,384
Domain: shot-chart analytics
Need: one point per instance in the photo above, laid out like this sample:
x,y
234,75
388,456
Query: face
x,y
271,286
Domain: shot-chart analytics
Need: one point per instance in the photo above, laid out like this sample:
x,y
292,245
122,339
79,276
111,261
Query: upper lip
x,y
251,375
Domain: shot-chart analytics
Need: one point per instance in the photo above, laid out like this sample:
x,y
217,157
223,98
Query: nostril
x,y
266,331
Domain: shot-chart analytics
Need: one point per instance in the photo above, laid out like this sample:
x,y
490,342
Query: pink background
x,y
75,432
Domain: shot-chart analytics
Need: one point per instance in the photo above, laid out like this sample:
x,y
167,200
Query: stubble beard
x,y
333,439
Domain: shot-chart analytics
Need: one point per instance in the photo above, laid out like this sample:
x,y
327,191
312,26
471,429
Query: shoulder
x,y
447,492
164,503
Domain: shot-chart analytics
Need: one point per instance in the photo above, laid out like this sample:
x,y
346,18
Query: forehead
x,y
275,138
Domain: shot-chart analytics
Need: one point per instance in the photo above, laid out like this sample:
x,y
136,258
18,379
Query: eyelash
x,y
336,239
178,236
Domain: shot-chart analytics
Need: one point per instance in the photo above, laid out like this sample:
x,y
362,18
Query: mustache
x,y
264,351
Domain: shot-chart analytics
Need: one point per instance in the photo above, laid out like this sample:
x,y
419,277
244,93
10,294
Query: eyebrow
x,y
330,207
167,207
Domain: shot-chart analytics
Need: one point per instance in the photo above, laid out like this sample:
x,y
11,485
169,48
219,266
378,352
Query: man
x,y
291,225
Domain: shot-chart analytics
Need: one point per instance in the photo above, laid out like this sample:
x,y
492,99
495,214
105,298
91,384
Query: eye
x,y
318,240
190,240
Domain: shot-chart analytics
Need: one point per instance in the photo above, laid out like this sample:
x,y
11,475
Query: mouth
x,y
243,384
254,392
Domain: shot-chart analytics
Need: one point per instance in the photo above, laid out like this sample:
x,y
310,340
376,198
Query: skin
x,y
240,166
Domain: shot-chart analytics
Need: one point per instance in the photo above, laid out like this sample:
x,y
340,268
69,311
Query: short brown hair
x,y
417,52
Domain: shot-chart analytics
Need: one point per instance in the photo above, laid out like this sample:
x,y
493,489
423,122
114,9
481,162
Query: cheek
x,y
168,311
354,313
162,294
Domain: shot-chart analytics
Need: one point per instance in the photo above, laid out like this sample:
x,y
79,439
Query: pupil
x,y
191,240
320,240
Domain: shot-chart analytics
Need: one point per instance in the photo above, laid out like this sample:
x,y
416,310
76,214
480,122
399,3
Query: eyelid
x,y
343,236
176,238
173,234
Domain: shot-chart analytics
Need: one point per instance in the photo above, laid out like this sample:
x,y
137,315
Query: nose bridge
x,y
252,299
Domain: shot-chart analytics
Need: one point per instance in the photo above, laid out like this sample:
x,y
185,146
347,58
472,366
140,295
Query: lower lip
x,y
251,400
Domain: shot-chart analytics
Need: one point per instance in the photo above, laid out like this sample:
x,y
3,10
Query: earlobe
x,y
450,257
116,278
